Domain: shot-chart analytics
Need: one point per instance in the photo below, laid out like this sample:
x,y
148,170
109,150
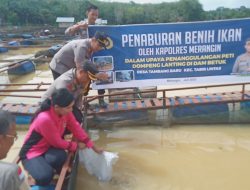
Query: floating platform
x,y
21,68
3,49
180,106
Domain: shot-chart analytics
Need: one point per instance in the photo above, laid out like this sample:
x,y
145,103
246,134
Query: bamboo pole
x,y
24,84
18,63
20,96
20,60
22,90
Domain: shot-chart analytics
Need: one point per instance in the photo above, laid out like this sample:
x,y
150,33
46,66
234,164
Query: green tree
x,y
39,12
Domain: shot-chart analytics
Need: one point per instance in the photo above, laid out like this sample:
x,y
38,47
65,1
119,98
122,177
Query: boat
x,y
20,68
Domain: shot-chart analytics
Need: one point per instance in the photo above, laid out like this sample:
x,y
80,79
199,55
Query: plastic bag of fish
x,y
99,165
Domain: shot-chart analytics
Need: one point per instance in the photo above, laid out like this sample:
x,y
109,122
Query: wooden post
x,y
243,91
85,113
164,99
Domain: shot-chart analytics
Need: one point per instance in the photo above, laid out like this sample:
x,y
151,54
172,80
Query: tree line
x,y
40,12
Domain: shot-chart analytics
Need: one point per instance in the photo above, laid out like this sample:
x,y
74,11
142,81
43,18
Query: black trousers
x,y
101,91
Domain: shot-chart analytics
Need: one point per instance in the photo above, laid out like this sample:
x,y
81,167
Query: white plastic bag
x,y
99,165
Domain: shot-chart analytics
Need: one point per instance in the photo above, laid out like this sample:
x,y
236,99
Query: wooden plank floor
x,y
144,104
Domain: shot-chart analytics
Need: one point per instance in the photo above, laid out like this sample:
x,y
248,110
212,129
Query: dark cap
x,y
91,69
102,38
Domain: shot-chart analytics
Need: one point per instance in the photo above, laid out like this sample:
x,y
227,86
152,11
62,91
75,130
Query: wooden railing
x,y
38,87
164,101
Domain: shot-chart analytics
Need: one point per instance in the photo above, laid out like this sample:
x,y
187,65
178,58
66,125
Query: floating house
x,y
65,22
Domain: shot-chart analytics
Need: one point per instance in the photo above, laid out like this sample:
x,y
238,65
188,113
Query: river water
x,y
184,157
157,157
42,74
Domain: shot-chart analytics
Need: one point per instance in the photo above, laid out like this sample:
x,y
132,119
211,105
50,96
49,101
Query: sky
x,y
207,4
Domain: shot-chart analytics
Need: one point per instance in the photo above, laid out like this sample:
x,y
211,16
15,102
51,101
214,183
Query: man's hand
x,y
102,76
81,25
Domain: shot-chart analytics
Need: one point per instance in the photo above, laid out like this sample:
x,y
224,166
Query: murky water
x,y
42,74
201,157
21,53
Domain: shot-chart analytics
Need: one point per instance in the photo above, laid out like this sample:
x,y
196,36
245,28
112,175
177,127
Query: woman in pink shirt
x,y
43,151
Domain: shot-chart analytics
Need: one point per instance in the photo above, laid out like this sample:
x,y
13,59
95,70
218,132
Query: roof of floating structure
x,y
65,19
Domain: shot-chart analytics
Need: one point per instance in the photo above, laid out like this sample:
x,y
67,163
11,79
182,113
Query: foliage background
x,y
41,12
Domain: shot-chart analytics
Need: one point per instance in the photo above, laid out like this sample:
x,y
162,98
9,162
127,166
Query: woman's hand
x,y
81,145
97,150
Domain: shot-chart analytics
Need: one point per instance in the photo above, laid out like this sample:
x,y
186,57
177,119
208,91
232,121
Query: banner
x,y
174,53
